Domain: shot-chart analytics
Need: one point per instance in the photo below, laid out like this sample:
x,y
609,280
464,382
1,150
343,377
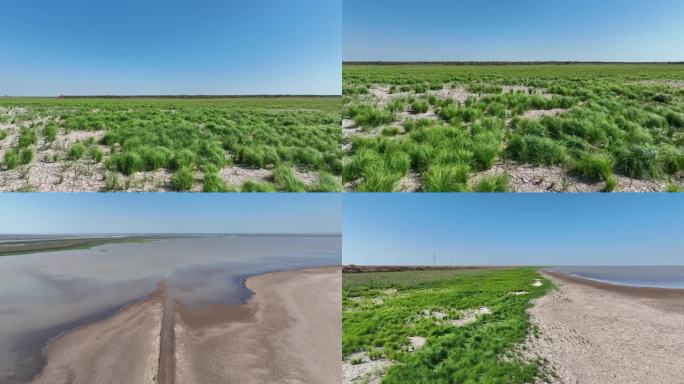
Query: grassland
x,y
493,128
432,326
173,144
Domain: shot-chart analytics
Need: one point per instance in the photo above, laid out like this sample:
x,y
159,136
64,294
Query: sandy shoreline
x,y
289,332
593,332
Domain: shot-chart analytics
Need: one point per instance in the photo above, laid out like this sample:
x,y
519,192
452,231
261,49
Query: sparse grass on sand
x,y
592,121
472,322
158,138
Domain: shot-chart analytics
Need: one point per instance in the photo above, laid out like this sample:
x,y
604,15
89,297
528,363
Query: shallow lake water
x,y
638,276
46,293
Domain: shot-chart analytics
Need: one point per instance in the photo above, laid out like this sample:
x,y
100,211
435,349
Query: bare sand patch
x,y
672,83
416,342
469,316
532,178
121,349
597,333
291,334
409,183
360,369
457,94
537,113
236,175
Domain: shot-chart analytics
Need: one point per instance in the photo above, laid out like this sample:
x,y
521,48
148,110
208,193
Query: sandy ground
x,y
121,349
605,334
288,332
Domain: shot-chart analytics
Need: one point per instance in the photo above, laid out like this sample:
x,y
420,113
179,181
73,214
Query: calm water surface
x,y
638,276
44,294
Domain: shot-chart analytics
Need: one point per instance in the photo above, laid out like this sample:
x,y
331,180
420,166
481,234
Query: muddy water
x,y
44,294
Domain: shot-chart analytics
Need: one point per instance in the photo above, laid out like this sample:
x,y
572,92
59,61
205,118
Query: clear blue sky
x,y
520,30
52,47
513,229
169,212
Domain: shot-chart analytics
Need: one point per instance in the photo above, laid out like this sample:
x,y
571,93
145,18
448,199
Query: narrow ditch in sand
x,y
167,348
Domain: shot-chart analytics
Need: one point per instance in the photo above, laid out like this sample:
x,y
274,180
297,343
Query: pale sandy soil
x,y
530,178
288,332
121,349
604,334
51,170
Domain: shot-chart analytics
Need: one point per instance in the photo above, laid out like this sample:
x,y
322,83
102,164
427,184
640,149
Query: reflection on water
x,y
639,276
43,294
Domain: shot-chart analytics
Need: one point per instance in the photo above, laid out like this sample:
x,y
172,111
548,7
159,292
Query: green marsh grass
x,y
480,352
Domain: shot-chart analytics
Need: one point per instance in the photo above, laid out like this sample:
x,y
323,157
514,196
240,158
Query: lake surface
x,y
44,294
637,276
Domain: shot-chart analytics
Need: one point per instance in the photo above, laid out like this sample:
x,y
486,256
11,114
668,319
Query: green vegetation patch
x,y
472,322
592,121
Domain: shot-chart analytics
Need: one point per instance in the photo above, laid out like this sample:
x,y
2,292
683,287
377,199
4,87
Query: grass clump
x,y
76,151
182,179
536,150
11,159
446,178
286,181
638,161
26,155
595,167
492,183
419,107
367,116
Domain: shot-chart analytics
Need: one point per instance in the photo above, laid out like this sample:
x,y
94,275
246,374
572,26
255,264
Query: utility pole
x,y
434,259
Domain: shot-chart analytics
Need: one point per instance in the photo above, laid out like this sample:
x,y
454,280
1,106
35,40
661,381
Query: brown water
x,y
45,294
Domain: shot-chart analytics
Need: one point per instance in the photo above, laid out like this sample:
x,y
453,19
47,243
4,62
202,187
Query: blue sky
x,y
35,213
521,30
513,229
170,47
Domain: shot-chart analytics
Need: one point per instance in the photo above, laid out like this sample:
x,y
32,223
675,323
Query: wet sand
x,y
288,332
593,332
121,349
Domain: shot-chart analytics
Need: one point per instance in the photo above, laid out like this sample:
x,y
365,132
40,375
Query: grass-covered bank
x,y
470,322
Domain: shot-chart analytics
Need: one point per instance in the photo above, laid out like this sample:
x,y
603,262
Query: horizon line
x,y
180,96
503,62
